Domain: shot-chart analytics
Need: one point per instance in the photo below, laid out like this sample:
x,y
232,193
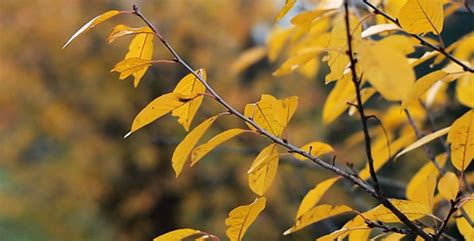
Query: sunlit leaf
x,y
316,214
314,195
240,218
341,232
336,102
158,108
422,186
316,148
424,140
92,23
465,90
390,76
461,137
200,151
131,66
284,10
248,58
380,28
264,169
140,47
422,16
189,85
180,235
448,186
124,30
297,61
276,41
421,86
184,148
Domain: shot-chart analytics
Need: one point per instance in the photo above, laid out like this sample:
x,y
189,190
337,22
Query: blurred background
x,y
66,173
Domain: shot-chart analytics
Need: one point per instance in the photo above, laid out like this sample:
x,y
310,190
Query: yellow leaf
x,y
424,140
413,210
123,30
422,16
131,66
272,114
264,169
461,137
180,234
297,61
141,47
400,43
240,218
304,19
421,86
448,186
463,225
248,58
465,90
92,23
158,108
314,195
422,185
365,95
184,148
390,76
189,85
394,237
317,149
336,102
288,5
341,232
200,151
276,41
316,214
337,58
379,28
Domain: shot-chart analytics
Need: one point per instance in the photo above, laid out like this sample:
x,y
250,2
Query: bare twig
x,y
424,42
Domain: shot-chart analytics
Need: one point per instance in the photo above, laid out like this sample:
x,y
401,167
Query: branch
x,y
444,224
424,42
382,199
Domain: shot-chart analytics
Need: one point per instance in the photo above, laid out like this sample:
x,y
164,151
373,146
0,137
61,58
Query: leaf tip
x,y
127,135
288,231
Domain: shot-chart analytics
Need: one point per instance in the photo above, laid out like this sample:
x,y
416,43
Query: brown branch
x,y
439,49
381,197
444,224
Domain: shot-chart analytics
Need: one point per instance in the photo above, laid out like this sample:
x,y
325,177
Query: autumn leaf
x,y
284,10
464,227
248,58
180,234
448,186
297,61
379,28
461,137
276,41
131,66
465,90
418,88
314,195
336,102
92,23
316,148
141,47
341,232
422,16
240,218
200,151
424,140
263,169
184,148
189,85
390,76
316,214
158,108
413,210
124,30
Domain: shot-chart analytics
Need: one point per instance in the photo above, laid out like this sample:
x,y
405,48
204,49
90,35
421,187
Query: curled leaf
x,y
131,66
180,234
124,30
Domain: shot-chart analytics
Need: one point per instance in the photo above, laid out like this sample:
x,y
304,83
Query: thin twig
x,y
444,224
385,202
424,42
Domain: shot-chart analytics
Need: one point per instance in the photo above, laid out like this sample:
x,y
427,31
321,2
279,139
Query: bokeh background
x,y
66,173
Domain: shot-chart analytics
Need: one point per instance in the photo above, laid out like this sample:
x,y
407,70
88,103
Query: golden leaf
x,y
379,28
189,85
465,90
314,195
131,66
461,137
263,169
240,218
140,47
317,148
422,16
448,186
123,30
424,140
180,234
158,108
390,76
421,86
248,58
336,102
200,151
284,10
184,148
316,214
92,23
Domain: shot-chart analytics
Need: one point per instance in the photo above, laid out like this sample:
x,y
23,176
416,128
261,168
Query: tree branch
x,y
424,42
383,200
